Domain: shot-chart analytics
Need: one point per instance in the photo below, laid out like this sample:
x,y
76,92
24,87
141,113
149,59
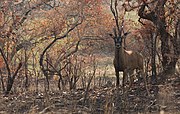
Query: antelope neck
x,y
118,56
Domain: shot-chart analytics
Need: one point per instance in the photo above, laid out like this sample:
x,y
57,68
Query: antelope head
x,y
118,38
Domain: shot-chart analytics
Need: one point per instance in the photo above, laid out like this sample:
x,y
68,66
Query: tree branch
x,y
6,62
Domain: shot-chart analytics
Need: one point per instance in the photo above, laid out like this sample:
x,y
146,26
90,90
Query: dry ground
x,y
100,100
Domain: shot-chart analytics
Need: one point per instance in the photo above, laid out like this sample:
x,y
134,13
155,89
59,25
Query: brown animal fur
x,y
127,62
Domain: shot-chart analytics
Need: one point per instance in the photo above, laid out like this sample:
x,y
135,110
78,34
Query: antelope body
x,y
127,62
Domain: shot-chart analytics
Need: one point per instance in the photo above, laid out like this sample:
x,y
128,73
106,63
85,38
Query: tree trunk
x,y
11,80
154,73
26,69
2,81
157,16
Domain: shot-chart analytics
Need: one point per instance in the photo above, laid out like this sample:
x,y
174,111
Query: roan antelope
x,y
126,61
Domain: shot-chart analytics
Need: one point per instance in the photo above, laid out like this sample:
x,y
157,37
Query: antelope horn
x,y
115,33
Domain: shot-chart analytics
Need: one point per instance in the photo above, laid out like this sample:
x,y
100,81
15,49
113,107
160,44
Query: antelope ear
x,y
111,35
125,34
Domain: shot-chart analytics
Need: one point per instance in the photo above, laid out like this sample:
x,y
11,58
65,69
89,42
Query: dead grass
x,y
102,98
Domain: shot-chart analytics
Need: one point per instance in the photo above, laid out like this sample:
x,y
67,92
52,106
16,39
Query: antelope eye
x,y
115,39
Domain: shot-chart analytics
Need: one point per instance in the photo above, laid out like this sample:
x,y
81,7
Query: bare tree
x,y
170,53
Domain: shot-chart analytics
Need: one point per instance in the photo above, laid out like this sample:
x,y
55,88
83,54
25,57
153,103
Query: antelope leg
x,y
117,78
131,72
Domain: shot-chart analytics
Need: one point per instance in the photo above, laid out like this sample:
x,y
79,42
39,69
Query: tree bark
x,y
11,80
157,16
2,81
49,46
